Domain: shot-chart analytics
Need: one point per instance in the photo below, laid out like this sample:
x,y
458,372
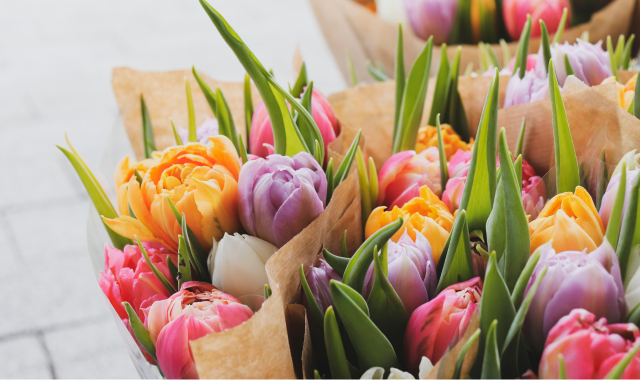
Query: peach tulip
x,y
202,182
425,214
428,138
571,220
626,92
124,172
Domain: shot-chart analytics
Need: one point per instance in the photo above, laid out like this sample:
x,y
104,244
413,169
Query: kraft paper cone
x,y
349,26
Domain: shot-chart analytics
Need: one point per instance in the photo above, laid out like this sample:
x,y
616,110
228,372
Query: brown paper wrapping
x,y
349,26
271,344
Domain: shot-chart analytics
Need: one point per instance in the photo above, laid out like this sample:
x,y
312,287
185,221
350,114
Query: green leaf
x,y
522,52
613,228
301,81
562,370
567,173
401,81
363,181
634,316
330,178
442,155
206,90
626,55
617,371
199,252
517,165
462,33
184,266
492,56
352,69
248,109
306,130
267,292
243,150
385,306
632,105
176,135
546,48
458,266
507,226
463,352
488,23
491,361
454,113
413,99
563,21
370,344
343,247
373,183
140,331
148,141
480,187
343,169
506,53
612,59
286,140
567,66
225,120
199,265
629,235
339,264
166,283
335,349
361,260
191,112
376,74
619,51
316,312
636,101
520,142
523,280
96,193
441,92
173,271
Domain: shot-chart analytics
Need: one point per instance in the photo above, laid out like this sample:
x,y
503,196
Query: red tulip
x,y
438,323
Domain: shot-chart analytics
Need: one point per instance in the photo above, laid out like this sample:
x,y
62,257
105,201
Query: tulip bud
x,y
236,264
590,347
529,89
319,277
609,197
392,11
261,139
404,173
428,138
412,271
589,61
432,18
570,221
550,11
573,280
440,322
205,130
279,196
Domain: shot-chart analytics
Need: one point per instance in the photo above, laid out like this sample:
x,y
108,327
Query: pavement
x,y
56,59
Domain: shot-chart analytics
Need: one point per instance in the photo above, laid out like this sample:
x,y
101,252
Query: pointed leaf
x,y
184,266
330,180
373,182
454,112
520,142
194,244
339,264
619,51
148,141
562,370
316,312
243,150
190,112
506,53
173,271
463,352
492,56
352,69
335,349
140,331
306,130
563,21
480,187
301,81
613,228
371,346
612,59
267,292
636,100
546,48
629,235
176,135
225,120
525,276
441,92
567,66
400,81
618,370
626,55
522,52
343,169
206,90
363,181
167,285
248,109
567,173
200,266
458,266
491,361
517,165
376,74
442,155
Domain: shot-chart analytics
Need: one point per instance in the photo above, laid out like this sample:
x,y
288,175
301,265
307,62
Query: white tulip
x,y
392,11
236,264
377,373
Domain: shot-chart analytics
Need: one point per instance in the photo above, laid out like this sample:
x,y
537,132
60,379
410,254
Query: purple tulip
x,y
609,197
319,278
573,280
589,62
526,90
279,196
412,271
432,18
206,129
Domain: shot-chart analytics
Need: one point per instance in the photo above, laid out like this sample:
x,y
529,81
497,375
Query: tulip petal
x,y
232,315
301,208
568,236
172,348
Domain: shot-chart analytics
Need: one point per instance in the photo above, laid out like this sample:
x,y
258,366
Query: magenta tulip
x,y
404,173
432,18
550,11
198,309
573,280
279,196
434,325
261,140
411,271
590,348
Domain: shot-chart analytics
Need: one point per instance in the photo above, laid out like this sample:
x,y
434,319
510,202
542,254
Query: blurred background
x,y
56,59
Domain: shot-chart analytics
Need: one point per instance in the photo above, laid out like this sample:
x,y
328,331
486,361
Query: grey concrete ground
x,y
55,70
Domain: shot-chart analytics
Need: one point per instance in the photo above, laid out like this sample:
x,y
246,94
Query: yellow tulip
x,y
571,220
124,172
202,182
425,214
625,92
428,137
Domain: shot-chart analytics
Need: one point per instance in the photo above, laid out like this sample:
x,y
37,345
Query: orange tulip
x,y
625,92
428,137
202,182
571,220
425,214
124,172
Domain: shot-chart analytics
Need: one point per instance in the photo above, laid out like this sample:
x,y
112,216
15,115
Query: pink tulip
x,y
590,348
198,309
439,322
515,15
404,173
262,132
432,18
534,194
